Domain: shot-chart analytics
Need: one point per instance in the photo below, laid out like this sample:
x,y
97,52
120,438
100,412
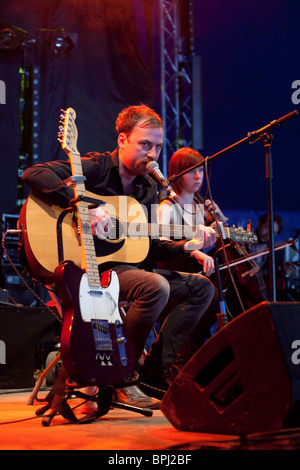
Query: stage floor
x,y
118,431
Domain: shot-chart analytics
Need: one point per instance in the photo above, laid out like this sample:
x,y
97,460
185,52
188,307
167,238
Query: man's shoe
x,y
134,396
153,386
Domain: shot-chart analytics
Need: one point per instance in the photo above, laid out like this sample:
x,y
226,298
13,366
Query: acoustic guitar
x,y
127,242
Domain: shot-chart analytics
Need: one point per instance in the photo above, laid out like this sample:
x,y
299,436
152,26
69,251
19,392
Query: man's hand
x,y
100,222
205,239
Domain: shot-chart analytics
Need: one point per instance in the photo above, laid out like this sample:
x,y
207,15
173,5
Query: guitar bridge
x,y
103,342
101,334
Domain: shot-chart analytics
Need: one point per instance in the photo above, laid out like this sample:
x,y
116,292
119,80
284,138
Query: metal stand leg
x,y
39,383
55,361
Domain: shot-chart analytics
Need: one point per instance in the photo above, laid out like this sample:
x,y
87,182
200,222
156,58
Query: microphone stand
x,y
263,134
267,141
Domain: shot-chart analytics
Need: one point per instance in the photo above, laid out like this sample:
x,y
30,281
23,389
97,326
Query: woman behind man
x,y
192,212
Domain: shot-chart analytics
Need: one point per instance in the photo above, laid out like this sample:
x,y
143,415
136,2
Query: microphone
x,y
153,168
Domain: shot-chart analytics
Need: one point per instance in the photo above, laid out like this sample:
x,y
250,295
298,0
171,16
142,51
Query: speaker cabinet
x,y
245,379
21,329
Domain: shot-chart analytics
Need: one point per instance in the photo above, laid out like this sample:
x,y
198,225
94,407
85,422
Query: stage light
x,y
10,36
62,43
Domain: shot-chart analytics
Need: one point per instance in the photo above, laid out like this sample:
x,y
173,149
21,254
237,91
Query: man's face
x,y
141,146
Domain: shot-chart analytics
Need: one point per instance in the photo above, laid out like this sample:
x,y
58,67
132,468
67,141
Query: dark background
x,y
250,58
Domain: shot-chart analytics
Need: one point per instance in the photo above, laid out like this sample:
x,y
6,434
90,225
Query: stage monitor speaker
x,y
245,379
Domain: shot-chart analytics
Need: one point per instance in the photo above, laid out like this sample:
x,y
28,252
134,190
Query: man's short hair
x,y
129,118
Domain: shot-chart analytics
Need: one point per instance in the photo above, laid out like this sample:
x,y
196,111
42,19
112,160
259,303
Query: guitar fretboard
x,y
179,232
69,143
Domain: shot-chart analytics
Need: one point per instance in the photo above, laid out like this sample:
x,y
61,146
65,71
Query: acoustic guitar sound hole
x,y
116,233
112,242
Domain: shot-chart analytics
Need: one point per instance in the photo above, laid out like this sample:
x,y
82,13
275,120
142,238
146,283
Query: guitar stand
x,y
58,404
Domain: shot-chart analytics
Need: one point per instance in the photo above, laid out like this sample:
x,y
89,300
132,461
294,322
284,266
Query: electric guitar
x,y
94,342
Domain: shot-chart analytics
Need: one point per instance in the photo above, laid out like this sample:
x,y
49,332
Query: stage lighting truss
x,y
180,81
35,114
55,43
